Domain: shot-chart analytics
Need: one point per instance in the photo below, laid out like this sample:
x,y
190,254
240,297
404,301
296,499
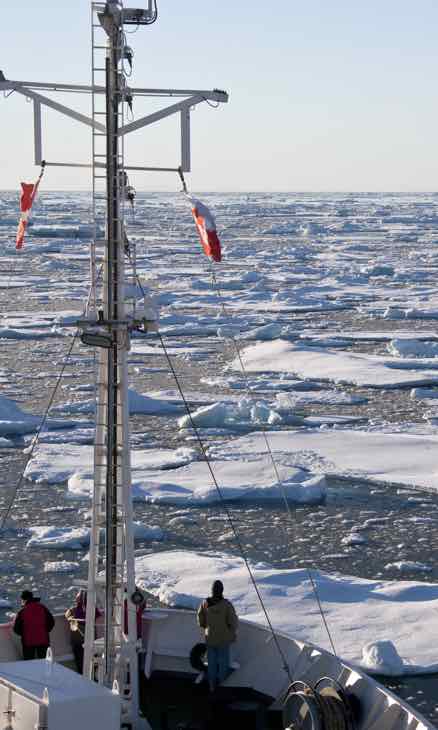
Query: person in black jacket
x,y
33,623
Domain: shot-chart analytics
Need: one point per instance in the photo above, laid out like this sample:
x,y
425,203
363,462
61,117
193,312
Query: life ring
x,y
197,657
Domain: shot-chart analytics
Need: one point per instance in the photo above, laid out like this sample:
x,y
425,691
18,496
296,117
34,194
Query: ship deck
x,y
175,702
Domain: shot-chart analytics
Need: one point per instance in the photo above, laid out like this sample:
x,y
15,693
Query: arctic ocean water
x,y
349,282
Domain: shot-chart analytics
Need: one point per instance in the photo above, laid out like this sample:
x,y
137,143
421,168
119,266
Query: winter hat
x,y
217,589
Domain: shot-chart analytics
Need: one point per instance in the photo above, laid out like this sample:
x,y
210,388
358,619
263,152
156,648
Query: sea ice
x,y
61,566
14,421
7,333
409,566
354,539
138,404
424,394
381,657
397,458
359,612
287,401
233,416
59,538
339,367
148,532
53,464
413,348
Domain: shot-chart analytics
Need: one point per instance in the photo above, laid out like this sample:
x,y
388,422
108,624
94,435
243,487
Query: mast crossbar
x,y
207,94
183,108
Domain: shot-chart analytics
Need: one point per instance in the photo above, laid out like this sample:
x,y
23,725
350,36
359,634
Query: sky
x,y
324,95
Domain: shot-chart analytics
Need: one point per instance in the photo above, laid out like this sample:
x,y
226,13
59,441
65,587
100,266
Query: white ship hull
x,y
169,636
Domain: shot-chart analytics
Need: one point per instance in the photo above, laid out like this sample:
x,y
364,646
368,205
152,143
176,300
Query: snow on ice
x,y
15,422
371,371
398,458
360,612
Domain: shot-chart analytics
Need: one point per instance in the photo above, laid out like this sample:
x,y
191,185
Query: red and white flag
x,y
206,226
27,197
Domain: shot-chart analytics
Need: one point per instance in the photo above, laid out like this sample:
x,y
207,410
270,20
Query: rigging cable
x,y
35,439
226,509
37,435
222,499
271,456
265,437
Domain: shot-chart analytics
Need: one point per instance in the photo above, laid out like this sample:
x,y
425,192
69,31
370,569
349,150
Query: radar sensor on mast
x,y
128,16
139,16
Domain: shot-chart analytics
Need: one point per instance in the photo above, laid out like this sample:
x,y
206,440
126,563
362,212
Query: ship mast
x,y
115,659
112,659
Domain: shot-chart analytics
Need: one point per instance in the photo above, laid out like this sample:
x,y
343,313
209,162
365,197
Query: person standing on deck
x,y
33,623
76,616
216,615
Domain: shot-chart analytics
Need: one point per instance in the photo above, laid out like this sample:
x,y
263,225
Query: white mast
x,y
115,660
112,659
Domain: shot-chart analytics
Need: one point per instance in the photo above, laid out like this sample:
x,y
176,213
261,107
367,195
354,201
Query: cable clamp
x,y
181,174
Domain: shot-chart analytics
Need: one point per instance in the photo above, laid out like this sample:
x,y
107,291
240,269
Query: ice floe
x,y
359,612
381,657
409,566
286,401
397,458
175,477
59,538
61,566
193,484
413,348
232,416
138,404
53,464
371,371
14,421
78,538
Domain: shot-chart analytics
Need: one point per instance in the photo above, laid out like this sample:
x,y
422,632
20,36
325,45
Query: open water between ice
x,y
347,282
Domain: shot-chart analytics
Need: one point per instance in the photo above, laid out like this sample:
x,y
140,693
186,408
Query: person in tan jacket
x,y
216,615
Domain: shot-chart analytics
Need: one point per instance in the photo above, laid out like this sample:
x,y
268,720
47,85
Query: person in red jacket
x,y
33,623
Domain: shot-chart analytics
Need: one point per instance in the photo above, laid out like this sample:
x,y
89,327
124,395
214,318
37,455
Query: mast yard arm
x,y
188,98
216,95
162,113
21,88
